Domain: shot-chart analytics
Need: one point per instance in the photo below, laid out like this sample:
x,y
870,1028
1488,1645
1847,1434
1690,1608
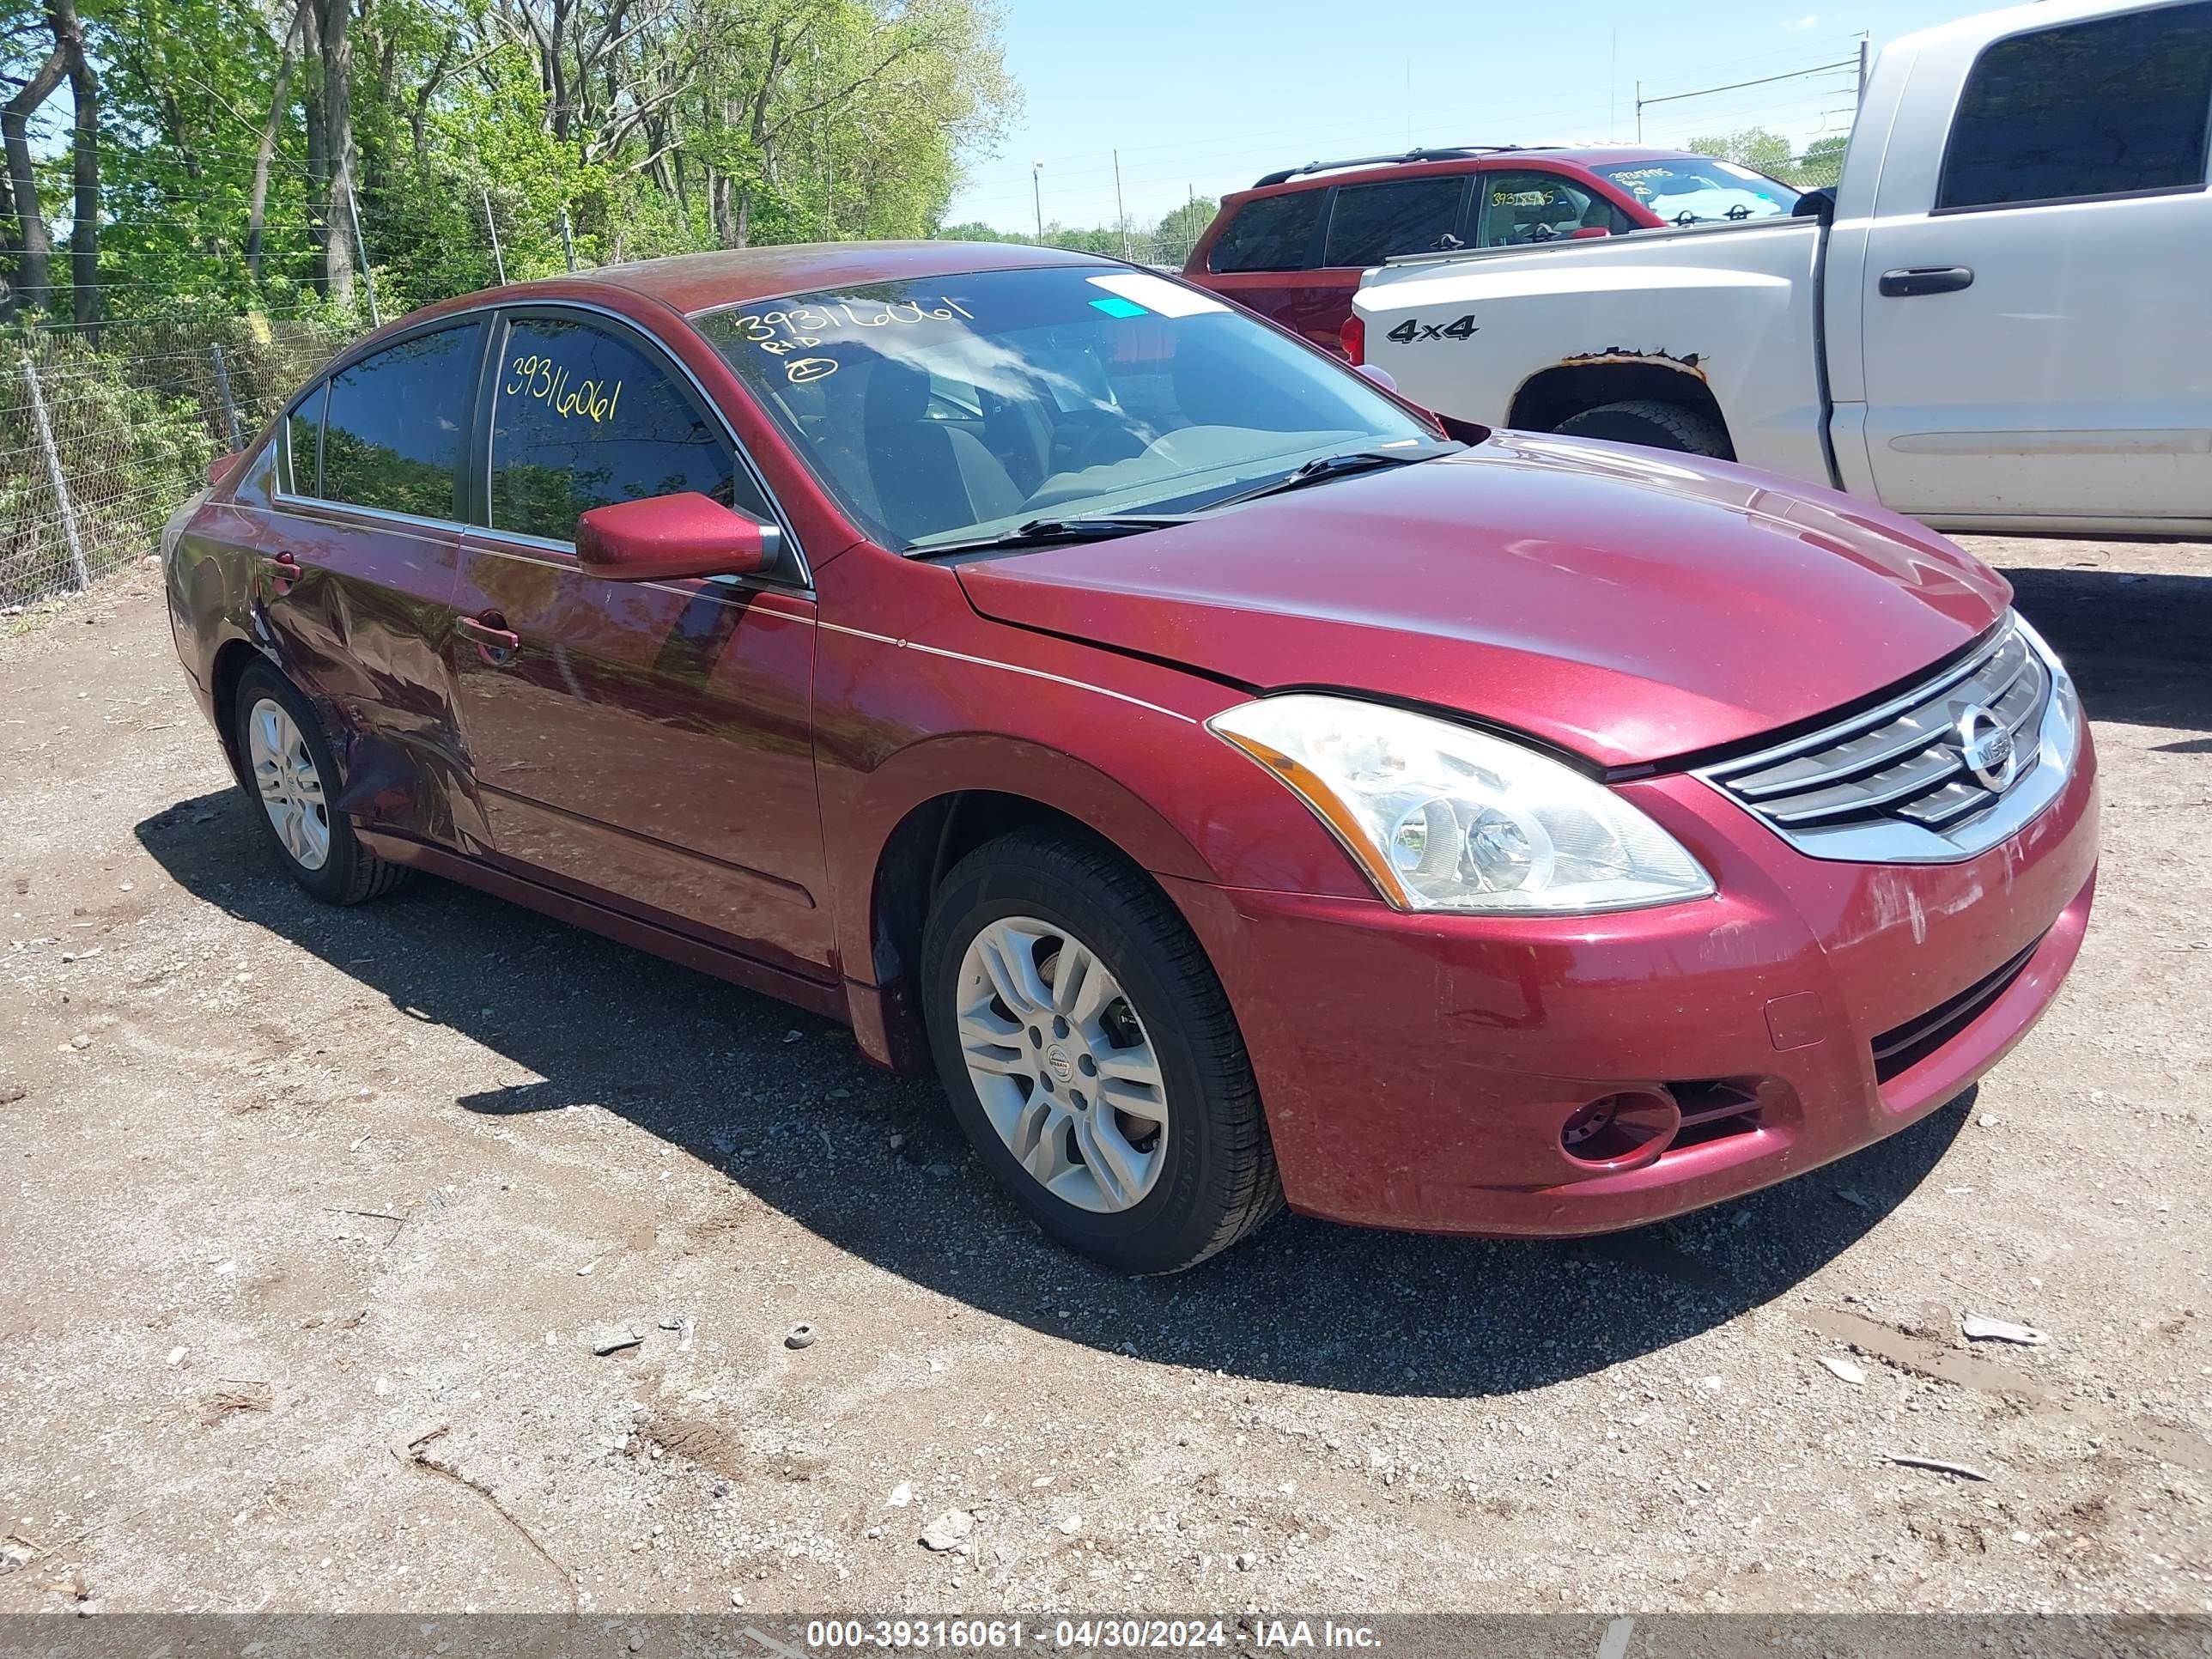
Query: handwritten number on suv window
x,y
1409,331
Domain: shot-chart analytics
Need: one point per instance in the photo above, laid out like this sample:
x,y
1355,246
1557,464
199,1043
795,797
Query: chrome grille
x,y
1915,781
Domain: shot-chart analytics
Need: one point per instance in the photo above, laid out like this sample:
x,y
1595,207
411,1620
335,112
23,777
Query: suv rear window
x,y
2097,108
1275,233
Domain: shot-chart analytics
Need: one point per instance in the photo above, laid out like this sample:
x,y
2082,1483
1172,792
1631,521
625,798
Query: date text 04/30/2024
x,y
1080,1635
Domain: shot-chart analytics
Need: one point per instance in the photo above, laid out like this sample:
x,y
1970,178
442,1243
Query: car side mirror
x,y
665,537
1382,377
1816,204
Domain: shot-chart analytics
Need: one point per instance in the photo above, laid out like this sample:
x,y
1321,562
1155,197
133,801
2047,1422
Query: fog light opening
x,y
1628,1128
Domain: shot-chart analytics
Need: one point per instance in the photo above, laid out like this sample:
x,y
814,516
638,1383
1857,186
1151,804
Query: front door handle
x,y
496,642
287,570
1925,279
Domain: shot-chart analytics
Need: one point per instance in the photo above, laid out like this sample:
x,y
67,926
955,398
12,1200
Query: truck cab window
x,y
2106,107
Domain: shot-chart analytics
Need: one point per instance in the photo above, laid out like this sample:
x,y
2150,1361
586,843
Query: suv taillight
x,y
1351,339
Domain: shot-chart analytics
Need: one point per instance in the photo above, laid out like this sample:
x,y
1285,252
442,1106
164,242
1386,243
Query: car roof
x,y
690,282
1316,175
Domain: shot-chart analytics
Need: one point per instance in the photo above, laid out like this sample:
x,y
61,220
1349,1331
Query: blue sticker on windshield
x,y
1115,306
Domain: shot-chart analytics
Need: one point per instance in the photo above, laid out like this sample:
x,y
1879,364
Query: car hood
x,y
1627,604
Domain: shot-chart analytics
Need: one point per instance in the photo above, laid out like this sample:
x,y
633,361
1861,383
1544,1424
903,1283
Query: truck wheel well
x,y
1559,393
926,844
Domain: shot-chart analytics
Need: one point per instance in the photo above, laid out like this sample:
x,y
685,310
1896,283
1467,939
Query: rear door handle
x,y
495,641
286,568
1925,279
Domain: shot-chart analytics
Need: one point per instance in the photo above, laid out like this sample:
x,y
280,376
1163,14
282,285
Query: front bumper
x,y
1417,1069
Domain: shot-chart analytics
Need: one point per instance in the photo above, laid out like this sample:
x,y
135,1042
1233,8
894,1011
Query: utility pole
x,y
1862,69
1639,111
1036,194
1120,213
1613,89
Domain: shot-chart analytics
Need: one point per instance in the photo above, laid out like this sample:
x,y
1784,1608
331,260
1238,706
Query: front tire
x,y
1654,424
1091,1057
289,768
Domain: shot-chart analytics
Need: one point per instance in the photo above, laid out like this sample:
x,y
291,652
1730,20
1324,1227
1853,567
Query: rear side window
x,y
582,417
1275,233
2099,109
1373,222
396,425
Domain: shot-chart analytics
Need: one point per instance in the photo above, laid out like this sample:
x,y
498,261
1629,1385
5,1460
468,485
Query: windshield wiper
x,y
1056,532
1322,468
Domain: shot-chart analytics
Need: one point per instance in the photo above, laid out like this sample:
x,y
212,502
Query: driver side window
x,y
582,417
1514,210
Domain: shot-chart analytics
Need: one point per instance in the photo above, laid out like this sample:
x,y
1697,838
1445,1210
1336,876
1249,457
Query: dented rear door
x,y
357,563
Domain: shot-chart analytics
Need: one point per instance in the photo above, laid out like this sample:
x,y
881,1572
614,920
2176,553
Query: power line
x,y
1737,86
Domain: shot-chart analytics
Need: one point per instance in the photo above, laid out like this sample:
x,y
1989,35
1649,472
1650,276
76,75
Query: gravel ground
x,y
314,1219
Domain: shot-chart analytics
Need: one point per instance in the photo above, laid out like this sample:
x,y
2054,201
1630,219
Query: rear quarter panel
x,y
1311,304
1732,308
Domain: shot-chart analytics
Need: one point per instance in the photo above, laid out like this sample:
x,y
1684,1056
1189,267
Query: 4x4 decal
x,y
1410,330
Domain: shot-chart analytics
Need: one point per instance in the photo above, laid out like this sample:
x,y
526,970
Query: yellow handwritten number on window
x,y
539,377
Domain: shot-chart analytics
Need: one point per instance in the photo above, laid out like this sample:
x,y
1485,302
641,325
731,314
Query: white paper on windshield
x,y
1156,293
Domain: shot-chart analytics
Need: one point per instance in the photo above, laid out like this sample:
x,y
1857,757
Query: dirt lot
x,y
309,1220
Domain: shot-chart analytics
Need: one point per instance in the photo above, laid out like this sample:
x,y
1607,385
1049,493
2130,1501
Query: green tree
x,y
1181,226
975,230
1822,163
1751,147
199,178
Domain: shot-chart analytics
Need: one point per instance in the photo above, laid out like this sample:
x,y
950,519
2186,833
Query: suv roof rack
x,y
1455,153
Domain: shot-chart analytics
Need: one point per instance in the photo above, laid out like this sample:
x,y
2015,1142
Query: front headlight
x,y
1445,818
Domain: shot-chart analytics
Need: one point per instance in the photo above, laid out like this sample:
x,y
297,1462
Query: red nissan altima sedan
x,y
1240,788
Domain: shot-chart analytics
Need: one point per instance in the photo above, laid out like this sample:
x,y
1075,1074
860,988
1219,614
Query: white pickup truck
x,y
2001,321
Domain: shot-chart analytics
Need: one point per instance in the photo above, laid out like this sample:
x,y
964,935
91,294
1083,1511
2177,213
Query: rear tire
x,y
1653,424
289,770
1118,1108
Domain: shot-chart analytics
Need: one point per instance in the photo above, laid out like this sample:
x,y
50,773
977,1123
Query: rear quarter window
x,y
1272,233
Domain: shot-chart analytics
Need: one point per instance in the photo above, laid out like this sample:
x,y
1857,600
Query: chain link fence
x,y
1816,169
99,443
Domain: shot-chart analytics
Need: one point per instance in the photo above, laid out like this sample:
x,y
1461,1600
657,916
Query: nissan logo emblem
x,y
1987,747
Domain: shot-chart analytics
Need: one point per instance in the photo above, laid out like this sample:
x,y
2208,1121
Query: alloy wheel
x,y
1062,1064
288,783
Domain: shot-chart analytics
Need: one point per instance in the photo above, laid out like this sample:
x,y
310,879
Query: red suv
x,y
1292,246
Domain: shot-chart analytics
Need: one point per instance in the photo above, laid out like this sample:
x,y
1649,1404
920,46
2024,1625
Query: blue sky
x,y
1206,96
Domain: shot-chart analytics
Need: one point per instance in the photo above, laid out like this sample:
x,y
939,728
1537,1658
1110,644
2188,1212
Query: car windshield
x,y
1695,189
956,408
